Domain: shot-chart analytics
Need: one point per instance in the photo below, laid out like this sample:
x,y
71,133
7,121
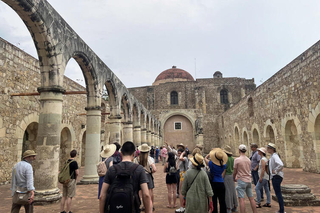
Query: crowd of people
x,y
199,181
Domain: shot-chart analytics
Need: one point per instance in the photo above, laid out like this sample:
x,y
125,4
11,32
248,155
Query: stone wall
x,y
283,110
19,72
200,98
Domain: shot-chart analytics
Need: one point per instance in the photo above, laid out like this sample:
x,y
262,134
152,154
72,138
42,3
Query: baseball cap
x,y
243,147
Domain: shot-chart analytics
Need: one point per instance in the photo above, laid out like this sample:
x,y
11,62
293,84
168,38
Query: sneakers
x,y
234,209
181,209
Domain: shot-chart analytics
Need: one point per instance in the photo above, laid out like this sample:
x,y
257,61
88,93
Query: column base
x,y
44,197
89,179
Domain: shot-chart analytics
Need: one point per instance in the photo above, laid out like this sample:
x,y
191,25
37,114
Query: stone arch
x,y
112,98
142,119
314,129
30,138
291,131
20,131
256,135
245,140
34,15
66,143
237,141
270,132
170,114
173,135
126,108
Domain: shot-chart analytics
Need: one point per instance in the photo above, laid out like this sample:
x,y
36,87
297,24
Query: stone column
x,y
128,132
200,139
143,136
149,138
115,129
92,154
46,166
137,135
152,138
157,141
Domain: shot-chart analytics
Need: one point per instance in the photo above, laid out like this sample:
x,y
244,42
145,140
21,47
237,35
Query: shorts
x,y
171,179
244,188
182,174
69,190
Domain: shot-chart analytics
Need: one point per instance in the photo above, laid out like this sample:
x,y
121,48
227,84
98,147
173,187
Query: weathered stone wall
x,y
283,110
200,98
19,72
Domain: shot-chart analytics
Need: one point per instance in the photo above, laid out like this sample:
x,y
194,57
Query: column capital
x,y
136,127
128,123
144,129
56,89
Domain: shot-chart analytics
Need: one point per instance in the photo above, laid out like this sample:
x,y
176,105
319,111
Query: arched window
x,y
224,96
174,98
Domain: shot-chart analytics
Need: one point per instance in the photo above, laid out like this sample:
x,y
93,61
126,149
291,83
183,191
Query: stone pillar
x,y
115,129
128,132
137,135
199,139
92,154
149,138
157,141
46,166
152,138
143,136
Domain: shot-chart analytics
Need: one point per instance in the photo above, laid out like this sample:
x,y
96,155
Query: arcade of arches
x,y
213,111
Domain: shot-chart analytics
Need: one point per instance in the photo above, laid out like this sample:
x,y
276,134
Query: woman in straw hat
x,y
106,156
196,188
148,164
231,196
263,179
218,165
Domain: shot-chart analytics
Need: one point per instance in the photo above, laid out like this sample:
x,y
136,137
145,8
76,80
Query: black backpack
x,y
122,196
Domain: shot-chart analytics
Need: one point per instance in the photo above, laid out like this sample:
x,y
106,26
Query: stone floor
x,y
86,199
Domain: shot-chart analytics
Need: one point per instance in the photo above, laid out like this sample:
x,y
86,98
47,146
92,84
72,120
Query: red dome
x,y
172,75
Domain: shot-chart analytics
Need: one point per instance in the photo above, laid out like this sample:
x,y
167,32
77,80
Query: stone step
x,y
295,189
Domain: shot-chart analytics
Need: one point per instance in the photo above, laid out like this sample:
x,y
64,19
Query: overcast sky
x,y
138,39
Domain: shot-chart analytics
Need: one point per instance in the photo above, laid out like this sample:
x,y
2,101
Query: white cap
x,y
242,147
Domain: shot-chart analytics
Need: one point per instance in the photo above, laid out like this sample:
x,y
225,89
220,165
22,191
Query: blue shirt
x,y
157,152
217,171
22,176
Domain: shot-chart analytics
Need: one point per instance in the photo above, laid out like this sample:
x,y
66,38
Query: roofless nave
x,y
214,111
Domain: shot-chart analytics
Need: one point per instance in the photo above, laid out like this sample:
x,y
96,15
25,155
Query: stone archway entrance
x,y
30,137
178,129
293,154
65,146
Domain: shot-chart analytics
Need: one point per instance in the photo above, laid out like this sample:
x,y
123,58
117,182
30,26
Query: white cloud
x,y
141,38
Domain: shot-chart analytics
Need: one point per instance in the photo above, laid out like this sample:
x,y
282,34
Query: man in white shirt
x,y
22,183
275,168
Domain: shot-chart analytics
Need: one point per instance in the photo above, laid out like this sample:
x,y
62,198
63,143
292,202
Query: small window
x,y
177,125
224,96
174,98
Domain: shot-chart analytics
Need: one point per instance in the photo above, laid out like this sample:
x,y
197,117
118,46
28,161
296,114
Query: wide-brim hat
x,y
144,148
263,150
195,151
272,145
180,145
108,150
28,153
227,150
217,155
198,158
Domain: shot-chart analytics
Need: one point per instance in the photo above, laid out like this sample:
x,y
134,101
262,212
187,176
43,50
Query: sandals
x,y
258,206
169,206
267,205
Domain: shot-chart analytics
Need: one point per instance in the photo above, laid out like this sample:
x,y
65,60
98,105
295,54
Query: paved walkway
x,y
86,199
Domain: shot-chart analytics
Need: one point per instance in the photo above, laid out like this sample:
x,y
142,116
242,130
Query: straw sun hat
x,y
263,150
108,150
29,153
144,148
218,157
197,160
180,145
272,145
227,150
